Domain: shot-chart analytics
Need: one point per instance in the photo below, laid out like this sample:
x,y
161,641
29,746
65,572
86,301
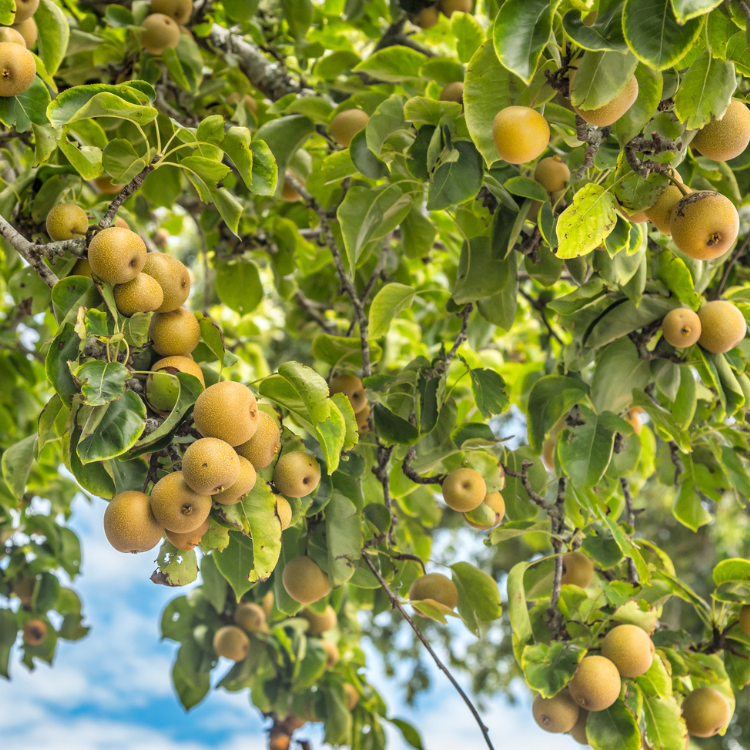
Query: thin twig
x,y
523,475
630,520
442,367
736,255
539,307
557,522
674,454
381,472
412,474
126,192
396,604
593,137
306,305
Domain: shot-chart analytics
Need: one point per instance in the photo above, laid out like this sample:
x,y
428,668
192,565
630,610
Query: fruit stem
x,y
678,184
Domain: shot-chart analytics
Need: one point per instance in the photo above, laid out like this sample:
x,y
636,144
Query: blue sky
x,y
112,691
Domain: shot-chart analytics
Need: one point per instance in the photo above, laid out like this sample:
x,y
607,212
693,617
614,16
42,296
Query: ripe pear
x,y
639,217
104,185
726,138
25,9
284,512
628,647
496,505
722,326
745,619
434,586
705,711
464,489
319,624
228,411
704,225
332,653
596,683
578,570
190,539
449,7
178,10
263,446
159,33
520,134
210,466
28,30
346,124
174,333
67,222
296,474
117,256
633,419
130,524
609,113
660,214
34,632
251,618
363,417
552,174
179,363
351,696
241,488
173,278
9,34
142,294
453,92
81,268
427,17
578,732
557,714
681,327
231,642
161,236
17,69
162,392
304,581
289,194
351,386
176,506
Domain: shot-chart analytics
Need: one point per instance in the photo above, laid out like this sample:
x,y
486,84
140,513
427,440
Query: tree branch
x,y
557,521
396,604
126,192
338,261
539,307
381,472
412,474
674,454
593,137
442,367
523,475
630,520
306,305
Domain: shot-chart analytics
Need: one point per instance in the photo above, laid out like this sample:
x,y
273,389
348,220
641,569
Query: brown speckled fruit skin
x,y
189,540
520,134
245,482
210,466
251,617
227,411
17,69
612,111
296,474
464,490
628,647
704,225
705,712
345,125
176,506
117,255
28,30
319,624
453,92
434,586
681,327
142,294
726,138
351,386
174,333
578,570
177,10
284,512
8,34
263,446
25,9
557,714
129,523
231,642
159,33
304,581
722,326
66,222
173,278
596,683
179,363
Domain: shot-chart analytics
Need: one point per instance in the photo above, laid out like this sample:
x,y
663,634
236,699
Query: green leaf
x,y
331,434
623,317
16,465
479,273
684,10
665,728
283,137
70,294
601,77
229,208
112,430
468,33
456,181
343,350
478,595
95,477
8,636
25,109
176,68
265,171
121,161
65,347
585,224
618,371
393,429
235,563
653,33
175,567
54,33
364,160
237,145
100,100
604,34
675,274
551,397
735,570
387,119
265,529
526,187
393,64
343,538
101,382
409,733
548,669
522,30
518,611
239,286
391,300
488,389
613,727
298,14
705,91
311,388
191,674
367,215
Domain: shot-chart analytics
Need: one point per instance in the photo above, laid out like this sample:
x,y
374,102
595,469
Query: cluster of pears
x,y
163,27
237,438
17,64
718,327
351,386
429,16
626,651
465,491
